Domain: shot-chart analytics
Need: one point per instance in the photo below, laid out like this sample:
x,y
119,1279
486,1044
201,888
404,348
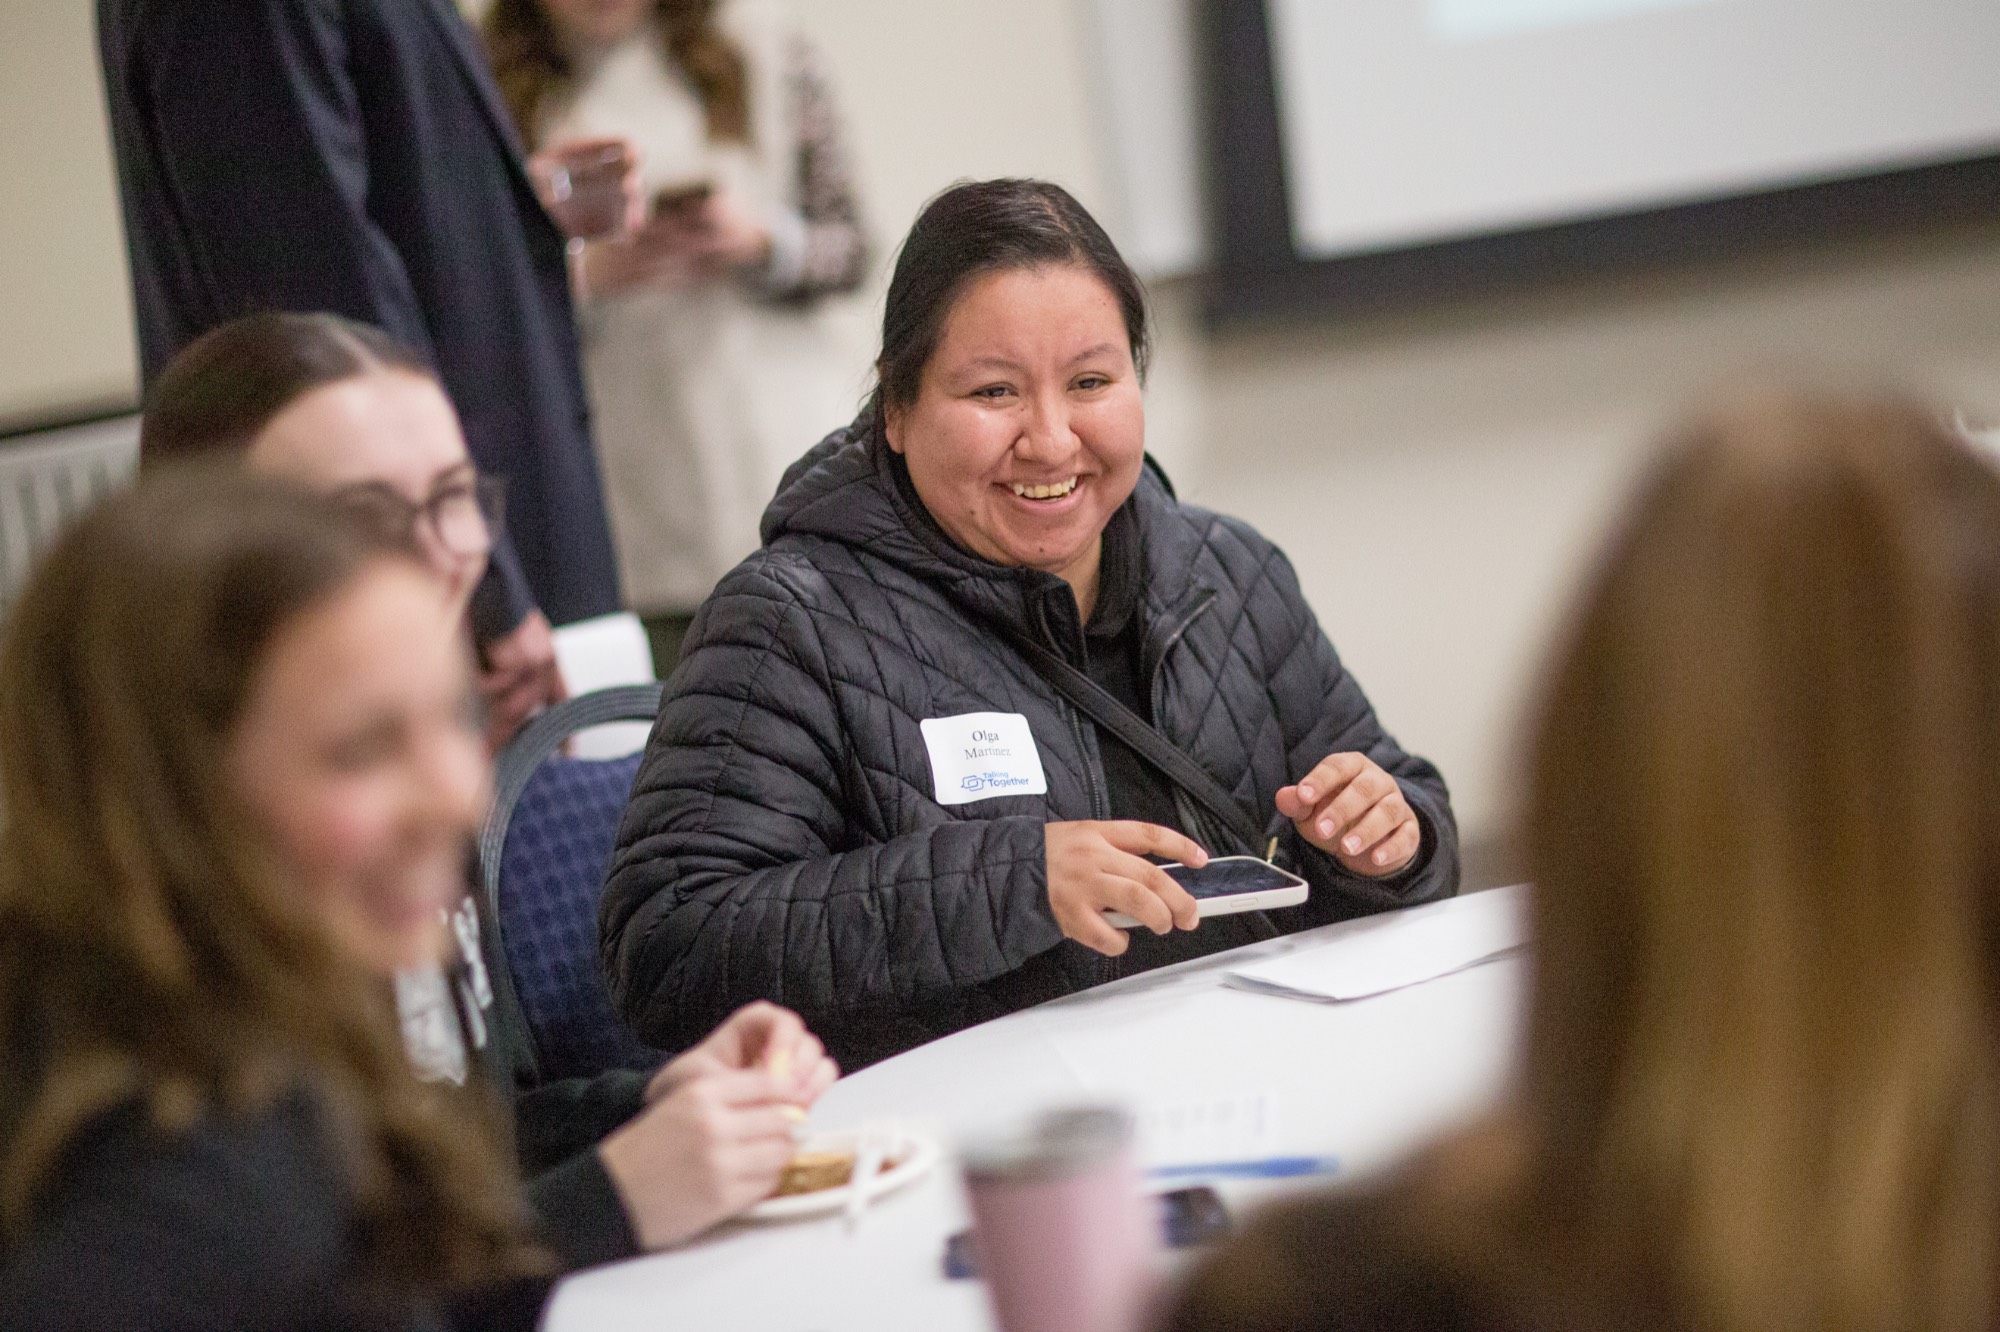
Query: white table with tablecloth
x,y
1364,1081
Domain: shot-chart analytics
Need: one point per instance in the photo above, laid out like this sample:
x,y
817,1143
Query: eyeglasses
x,y
463,515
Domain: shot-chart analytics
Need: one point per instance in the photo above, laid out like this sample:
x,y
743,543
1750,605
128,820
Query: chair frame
x,y
48,479
541,737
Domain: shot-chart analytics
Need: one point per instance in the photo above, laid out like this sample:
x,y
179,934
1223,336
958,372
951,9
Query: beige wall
x,y
65,309
935,92
1436,478
1438,481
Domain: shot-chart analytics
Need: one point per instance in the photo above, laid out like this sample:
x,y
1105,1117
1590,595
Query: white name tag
x,y
979,755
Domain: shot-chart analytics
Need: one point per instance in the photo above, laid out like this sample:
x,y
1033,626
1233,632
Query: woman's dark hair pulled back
x,y
223,388
980,227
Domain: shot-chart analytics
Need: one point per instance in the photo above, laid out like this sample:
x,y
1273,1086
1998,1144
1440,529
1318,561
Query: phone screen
x,y
682,198
1230,875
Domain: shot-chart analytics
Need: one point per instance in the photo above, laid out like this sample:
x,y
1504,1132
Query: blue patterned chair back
x,y
543,855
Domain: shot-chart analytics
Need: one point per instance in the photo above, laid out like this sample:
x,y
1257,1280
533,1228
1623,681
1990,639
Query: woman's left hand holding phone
x,y
721,234
708,235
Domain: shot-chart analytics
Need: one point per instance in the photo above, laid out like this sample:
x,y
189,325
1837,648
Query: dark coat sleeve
x,y
556,1120
258,130
579,1214
740,873
502,599
1322,711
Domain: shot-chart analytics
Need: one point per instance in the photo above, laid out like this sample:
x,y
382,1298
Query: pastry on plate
x,y
809,1172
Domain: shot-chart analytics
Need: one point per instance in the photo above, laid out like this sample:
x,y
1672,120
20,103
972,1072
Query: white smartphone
x,y
1229,884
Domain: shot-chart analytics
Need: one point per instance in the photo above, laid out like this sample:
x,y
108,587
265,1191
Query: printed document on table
x,y
1227,1126
1396,949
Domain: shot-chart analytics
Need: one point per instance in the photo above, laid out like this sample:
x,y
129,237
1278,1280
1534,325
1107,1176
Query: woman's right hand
x,y
654,255
678,245
710,1147
1098,867
757,1035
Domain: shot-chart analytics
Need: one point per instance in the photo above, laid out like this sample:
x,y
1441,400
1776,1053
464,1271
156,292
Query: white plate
x,y
919,1152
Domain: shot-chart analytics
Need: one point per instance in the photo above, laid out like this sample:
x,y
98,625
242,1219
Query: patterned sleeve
x,y
818,247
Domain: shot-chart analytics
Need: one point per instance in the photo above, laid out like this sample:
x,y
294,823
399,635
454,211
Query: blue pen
x,y
1270,1167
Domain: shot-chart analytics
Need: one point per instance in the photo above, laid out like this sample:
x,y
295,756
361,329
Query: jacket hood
x,y
852,489
844,489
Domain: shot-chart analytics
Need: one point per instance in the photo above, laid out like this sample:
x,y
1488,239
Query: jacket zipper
x,y
1100,799
1160,662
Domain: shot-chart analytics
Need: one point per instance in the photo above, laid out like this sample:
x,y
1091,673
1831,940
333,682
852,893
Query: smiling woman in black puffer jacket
x,y
865,799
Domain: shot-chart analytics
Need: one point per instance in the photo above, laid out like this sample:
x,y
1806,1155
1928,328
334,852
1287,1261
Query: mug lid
x,y
1058,1142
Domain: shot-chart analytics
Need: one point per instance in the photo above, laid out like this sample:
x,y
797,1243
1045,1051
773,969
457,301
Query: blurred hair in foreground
x,y
1763,820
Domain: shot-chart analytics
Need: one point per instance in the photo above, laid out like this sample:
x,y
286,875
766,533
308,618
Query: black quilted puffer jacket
x,y
783,842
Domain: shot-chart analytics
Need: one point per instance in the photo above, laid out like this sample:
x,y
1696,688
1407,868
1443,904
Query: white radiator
x,y
48,479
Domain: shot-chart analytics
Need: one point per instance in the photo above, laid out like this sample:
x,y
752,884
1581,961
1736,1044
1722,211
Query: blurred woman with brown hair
x,y
346,411
705,351
206,1118
1759,1089
240,768
344,408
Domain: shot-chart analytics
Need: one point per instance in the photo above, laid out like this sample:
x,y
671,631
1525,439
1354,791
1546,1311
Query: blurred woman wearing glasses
x,y
346,410
343,407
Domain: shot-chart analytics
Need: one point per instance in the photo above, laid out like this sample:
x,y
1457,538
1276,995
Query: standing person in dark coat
x,y
355,158
796,830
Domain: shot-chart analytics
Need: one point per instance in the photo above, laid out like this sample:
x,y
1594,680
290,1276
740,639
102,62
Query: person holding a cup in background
x,y
707,350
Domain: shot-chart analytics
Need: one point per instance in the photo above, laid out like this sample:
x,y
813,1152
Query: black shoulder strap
x,y
1149,744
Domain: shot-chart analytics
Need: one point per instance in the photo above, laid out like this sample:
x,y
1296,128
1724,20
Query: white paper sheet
x,y
597,654
1397,948
1229,1126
